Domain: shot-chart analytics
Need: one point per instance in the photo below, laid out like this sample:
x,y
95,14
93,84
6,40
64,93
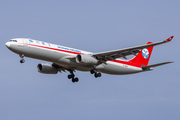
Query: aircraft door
x,y
25,42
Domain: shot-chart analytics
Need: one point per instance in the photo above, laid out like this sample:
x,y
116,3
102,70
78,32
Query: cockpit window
x,y
13,40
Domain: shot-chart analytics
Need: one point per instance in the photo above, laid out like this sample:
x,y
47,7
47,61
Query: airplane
x,y
63,59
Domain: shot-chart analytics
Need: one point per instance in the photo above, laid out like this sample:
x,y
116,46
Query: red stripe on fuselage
x,y
66,51
127,63
55,49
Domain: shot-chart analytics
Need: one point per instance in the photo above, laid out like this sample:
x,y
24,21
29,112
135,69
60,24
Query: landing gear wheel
x,y
96,75
76,79
99,74
69,76
92,72
72,76
22,61
73,80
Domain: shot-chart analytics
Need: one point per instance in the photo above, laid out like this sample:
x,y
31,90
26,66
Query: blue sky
x,y
96,26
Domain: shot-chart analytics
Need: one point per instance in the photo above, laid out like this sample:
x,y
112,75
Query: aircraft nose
x,y
7,44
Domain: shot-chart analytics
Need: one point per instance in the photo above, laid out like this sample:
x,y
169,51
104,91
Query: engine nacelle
x,y
86,59
47,68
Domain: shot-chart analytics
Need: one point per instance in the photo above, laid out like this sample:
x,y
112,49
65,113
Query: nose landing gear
x,y
22,60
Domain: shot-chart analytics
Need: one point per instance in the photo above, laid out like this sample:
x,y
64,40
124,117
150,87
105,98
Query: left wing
x,y
112,55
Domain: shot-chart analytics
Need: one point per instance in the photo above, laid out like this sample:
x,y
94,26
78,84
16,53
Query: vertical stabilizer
x,y
143,56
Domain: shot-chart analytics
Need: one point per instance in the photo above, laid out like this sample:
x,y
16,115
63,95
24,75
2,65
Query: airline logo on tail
x,y
143,57
145,53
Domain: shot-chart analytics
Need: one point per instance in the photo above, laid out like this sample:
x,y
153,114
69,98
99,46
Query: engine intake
x,y
86,59
47,68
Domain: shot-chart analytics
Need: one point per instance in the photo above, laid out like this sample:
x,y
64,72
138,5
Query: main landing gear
x,y
96,74
72,76
22,60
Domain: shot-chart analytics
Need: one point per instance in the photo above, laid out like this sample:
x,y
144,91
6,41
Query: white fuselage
x,y
60,55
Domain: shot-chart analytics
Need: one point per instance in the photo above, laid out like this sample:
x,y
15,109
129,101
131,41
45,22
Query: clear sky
x,y
95,26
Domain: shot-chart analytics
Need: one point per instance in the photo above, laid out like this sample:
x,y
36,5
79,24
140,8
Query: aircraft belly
x,y
119,69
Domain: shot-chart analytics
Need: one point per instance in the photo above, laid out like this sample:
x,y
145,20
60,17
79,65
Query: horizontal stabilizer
x,y
155,65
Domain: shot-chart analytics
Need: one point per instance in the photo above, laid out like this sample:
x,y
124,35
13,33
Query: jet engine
x,y
86,59
47,68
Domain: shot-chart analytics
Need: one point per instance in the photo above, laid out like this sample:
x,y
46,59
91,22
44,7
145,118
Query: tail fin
x,y
143,56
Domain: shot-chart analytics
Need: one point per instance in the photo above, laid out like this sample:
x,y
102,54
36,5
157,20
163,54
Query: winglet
x,y
169,39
